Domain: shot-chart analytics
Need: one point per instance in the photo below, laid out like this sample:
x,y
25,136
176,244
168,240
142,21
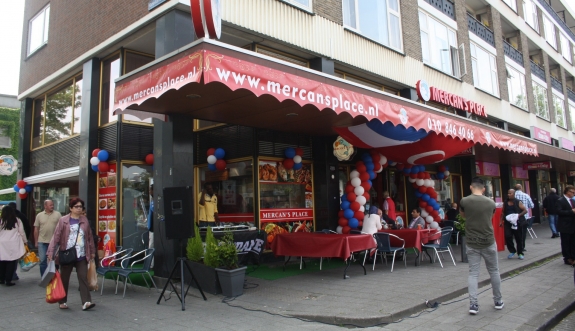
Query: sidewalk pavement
x,y
379,297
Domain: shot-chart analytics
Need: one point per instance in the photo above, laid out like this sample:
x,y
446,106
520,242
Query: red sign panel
x,y
537,165
107,204
272,215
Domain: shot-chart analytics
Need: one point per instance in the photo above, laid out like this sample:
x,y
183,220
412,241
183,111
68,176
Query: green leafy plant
x,y
195,247
227,253
211,257
460,225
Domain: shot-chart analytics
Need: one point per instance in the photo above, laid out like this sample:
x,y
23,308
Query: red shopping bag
x,y
55,290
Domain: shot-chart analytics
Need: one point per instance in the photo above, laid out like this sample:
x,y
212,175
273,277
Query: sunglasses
x,y
78,206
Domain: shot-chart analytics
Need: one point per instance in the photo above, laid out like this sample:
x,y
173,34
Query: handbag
x,y
69,256
29,260
55,289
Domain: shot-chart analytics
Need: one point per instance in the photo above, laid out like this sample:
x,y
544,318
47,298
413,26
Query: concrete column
x,y
463,37
546,66
24,142
494,19
173,31
410,29
523,45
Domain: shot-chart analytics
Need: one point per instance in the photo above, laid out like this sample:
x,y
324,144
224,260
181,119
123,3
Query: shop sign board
x,y
342,150
427,93
207,18
519,173
540,134
107,203
271,215
566,144
487,169
537,165
8,165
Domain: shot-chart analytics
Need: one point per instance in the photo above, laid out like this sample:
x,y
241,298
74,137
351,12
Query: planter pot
x,y
463,242
206,276
232,281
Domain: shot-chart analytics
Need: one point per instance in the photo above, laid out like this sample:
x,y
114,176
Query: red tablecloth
x,y
321,244
412,237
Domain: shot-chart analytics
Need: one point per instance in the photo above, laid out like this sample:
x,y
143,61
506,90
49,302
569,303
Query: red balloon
x,y
298,151
375,159
429,209
21,183
349,188
211,151
364,176
367,196
422,204
434,213
360,224
345,229
433,195
221,164
414,176
354,206
95,152
342,221
421,175
340,214
400,166
422,189
430,190
441,168
150,159
385,165
374,153
103,166
288,163
359,215
360,167
437,218
366,186
377,167
23,196
351,197
427,175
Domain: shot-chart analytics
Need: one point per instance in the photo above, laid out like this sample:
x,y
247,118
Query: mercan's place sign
x,y
427,93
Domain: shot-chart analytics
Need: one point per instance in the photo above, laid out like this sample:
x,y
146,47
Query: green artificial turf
x,y
135,278
275,271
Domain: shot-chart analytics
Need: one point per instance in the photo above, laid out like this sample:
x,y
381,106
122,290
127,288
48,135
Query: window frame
x,y
545,102
572,114
493,71
511,4
523,87
547,22
555,96
121,66
301,6
533,11
45,29
564,41
453,51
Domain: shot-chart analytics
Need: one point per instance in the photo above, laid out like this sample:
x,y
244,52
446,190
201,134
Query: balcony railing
x,y
480,30
537,70
556,84
562,24
570,94
513,53
445,6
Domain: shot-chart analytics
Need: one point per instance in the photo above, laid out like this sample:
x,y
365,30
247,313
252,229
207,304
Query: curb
x,y
558,310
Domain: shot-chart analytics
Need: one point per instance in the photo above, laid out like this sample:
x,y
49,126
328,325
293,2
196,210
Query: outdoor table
x,y
322,245
413,238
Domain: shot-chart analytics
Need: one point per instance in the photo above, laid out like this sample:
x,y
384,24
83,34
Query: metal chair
x,y
121,257
384,246
443,245
455,233
530,227
145,269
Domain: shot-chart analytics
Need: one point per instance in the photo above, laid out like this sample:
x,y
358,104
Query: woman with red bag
x,y
73,236
12,239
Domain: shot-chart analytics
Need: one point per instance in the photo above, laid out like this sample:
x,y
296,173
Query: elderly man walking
x,y
528,203
44,227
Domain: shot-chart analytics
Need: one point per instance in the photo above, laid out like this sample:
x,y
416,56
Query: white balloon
x,y
362,208
212,159
297,159
338,229
419,182
355,182
412,180
431,183
361,199
94,161
434,225
446,173
424,213
354,174
22,191
426,182
380,170
359,190
429,219
382,159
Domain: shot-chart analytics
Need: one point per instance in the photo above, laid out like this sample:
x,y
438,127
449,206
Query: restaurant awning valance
x,y
206,62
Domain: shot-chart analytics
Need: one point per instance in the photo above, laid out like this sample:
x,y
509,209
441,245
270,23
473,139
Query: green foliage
x,y
195,248
460,225
226,252
210,257
10,126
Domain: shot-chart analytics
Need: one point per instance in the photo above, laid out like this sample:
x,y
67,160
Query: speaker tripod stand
x,y
181,262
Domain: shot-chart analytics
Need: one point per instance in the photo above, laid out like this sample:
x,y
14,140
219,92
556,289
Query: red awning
x,y
195,63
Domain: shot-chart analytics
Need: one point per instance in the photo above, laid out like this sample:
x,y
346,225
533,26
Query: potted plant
x,y
231,276
203,261
460,226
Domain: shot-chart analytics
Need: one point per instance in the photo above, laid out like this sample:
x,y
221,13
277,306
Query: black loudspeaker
x,y
178,212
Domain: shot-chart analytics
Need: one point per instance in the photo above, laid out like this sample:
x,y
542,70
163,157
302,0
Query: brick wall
x,y
494,18
330,9
75,27
463,38
410,28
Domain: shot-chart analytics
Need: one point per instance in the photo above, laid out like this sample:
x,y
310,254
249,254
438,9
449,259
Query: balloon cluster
x,y
425,192
99,160
293,158
149,159
216,159
22,188
357,190
442,172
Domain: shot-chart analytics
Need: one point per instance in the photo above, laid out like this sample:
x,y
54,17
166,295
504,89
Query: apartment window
x,y
559,105
512,4
530,13
549,31
572,115
304,4
540,96
376,20
516,86
38,30
438,45
57,113
565,47
110,71
484,62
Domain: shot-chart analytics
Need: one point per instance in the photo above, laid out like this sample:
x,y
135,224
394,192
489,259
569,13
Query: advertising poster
x,y
107,225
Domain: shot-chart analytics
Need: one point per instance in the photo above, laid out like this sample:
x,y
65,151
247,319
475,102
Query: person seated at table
x,y
372,221
416,219
453,212
384,218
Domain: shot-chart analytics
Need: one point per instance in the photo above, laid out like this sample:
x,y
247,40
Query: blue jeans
x,y
42,249
552,222
474,256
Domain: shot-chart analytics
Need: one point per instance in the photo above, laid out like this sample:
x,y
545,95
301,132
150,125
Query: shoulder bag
x,y
69,256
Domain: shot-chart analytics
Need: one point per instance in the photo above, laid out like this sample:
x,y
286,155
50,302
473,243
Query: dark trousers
x,y
511,234
82,272
568,245
7,270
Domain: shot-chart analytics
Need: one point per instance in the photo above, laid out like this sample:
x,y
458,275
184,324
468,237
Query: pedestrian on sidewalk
x,y
44,227
528,203
478,210
566,224
73,232
516,228
549,206
12,240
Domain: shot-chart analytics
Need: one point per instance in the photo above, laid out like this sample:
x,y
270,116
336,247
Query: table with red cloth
x,y
322,245
413,238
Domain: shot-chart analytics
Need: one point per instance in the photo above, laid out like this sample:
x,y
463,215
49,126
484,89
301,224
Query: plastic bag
x,y
48,274
92,276
109,249
55,290
29,260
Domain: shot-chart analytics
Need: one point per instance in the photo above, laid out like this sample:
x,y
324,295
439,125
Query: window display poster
x,y
487,169
229,192
107,182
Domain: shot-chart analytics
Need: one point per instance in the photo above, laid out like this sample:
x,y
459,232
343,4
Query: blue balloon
x,y
28,188
345,204
369,165
446,168
219,153
435,207
407,171
348,213
289,153
95,168
440,175
371,174
16,188
353,223
370,183
418,194
212,167
425,197
103,155
297,166
366,158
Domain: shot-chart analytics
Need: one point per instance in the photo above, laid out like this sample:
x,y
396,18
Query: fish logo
x,y
8,165
403,116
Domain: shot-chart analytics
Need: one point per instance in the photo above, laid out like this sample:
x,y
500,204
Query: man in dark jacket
x,y
549,206
565,208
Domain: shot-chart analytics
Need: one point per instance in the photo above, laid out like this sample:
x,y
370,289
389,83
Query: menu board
x,y
107,225
286,198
